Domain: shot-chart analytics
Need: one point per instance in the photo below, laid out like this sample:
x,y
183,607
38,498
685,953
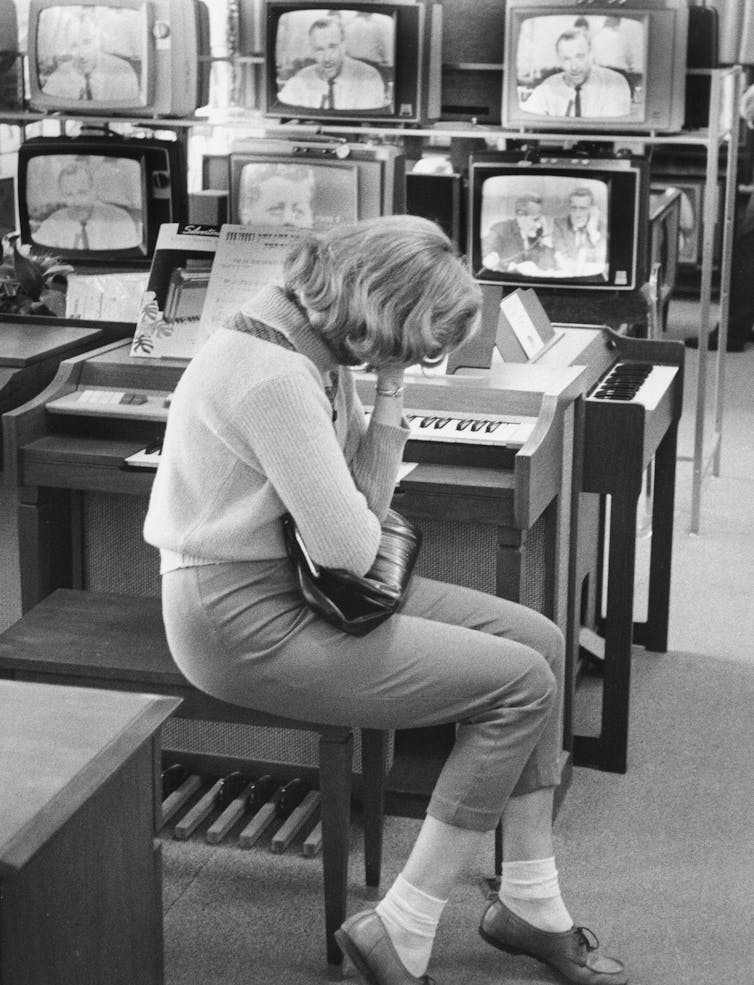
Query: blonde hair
x,y
386,290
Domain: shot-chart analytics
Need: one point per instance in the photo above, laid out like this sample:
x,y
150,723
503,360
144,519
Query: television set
x,y
596,66
99,198
353,61
313,184
110,57
560,222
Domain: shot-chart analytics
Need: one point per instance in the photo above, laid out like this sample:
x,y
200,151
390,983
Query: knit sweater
x,y
250,436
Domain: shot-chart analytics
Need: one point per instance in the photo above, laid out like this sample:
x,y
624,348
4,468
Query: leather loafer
x,y
364,940
573,953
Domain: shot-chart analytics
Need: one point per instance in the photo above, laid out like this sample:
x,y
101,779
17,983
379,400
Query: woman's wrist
x,y
389,390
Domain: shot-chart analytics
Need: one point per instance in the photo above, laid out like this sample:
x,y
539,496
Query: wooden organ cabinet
x,y
500,528
502,515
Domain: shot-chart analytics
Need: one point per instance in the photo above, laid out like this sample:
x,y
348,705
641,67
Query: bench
x,y
117,642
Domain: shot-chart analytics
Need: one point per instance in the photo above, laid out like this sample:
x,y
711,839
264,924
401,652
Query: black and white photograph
x,y
376,492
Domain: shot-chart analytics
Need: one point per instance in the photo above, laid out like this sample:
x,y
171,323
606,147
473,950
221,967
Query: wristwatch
x,y
394,391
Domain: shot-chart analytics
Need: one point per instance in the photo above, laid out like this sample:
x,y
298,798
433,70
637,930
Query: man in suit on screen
x,y
85,222
581,88
335,80
86,71
578,238
522,244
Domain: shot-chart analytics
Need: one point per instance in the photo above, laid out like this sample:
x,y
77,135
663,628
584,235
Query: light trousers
x,y
240,632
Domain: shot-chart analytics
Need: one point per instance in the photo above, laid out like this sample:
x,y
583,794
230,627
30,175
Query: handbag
x,y
356,605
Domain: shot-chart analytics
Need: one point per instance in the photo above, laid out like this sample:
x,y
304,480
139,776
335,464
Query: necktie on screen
x,y
82,238
330,97
577,100
86,92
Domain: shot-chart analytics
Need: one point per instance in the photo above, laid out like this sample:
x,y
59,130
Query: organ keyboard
x,y
481,440
635,382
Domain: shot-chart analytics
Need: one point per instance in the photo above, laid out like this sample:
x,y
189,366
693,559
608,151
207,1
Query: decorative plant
x,y
31,284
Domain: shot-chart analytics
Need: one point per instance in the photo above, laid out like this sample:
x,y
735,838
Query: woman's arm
x,y
375,453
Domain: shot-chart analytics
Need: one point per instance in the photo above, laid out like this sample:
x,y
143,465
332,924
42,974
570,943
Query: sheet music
x,y
246,260
523,327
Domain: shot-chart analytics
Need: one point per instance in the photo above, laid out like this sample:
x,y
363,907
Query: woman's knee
x,y
543,682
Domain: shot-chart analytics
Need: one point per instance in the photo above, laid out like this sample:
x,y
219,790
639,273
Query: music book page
x,y
246,261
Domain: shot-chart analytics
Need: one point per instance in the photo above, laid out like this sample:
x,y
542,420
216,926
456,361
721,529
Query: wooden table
x,y
80,870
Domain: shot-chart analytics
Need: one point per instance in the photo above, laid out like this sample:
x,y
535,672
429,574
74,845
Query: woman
x,y
265,421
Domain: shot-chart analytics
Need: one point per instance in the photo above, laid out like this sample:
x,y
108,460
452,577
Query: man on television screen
x,y
581,88
85,222
276,195
85,71
523,244
335,80
578,238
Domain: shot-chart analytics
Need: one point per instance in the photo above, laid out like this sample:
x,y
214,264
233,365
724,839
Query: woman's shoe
x,y
573,953
364,940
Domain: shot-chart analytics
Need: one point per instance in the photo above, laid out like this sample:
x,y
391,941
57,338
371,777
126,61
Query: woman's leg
x,y
451,655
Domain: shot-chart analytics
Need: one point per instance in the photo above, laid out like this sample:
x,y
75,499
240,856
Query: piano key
x,y
480,429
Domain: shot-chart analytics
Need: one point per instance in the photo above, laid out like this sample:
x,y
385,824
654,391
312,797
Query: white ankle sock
x,y
531,890
410,917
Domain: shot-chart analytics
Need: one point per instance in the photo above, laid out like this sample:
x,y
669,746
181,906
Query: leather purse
x,y
355,604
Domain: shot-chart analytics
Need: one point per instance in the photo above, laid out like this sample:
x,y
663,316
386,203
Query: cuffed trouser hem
x,y
528,784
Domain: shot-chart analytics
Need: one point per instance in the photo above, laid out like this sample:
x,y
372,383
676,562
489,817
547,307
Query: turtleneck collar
x,y
274,308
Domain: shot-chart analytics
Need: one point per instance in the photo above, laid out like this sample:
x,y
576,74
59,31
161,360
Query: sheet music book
x,y
167,325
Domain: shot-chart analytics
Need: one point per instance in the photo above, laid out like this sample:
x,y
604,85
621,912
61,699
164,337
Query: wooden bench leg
x,y
373,752
335,765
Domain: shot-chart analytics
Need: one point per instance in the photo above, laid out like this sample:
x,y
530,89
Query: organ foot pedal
x,y
267,806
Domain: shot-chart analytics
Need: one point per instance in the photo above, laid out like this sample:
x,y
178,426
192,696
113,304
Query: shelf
x,y
722,129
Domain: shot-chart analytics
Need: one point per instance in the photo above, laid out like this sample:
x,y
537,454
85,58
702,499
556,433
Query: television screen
x,y
92,54
562,223
313,184
353,60
118,56
548,226
343,60
595,67
99,198
85,203
582,67
310,195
